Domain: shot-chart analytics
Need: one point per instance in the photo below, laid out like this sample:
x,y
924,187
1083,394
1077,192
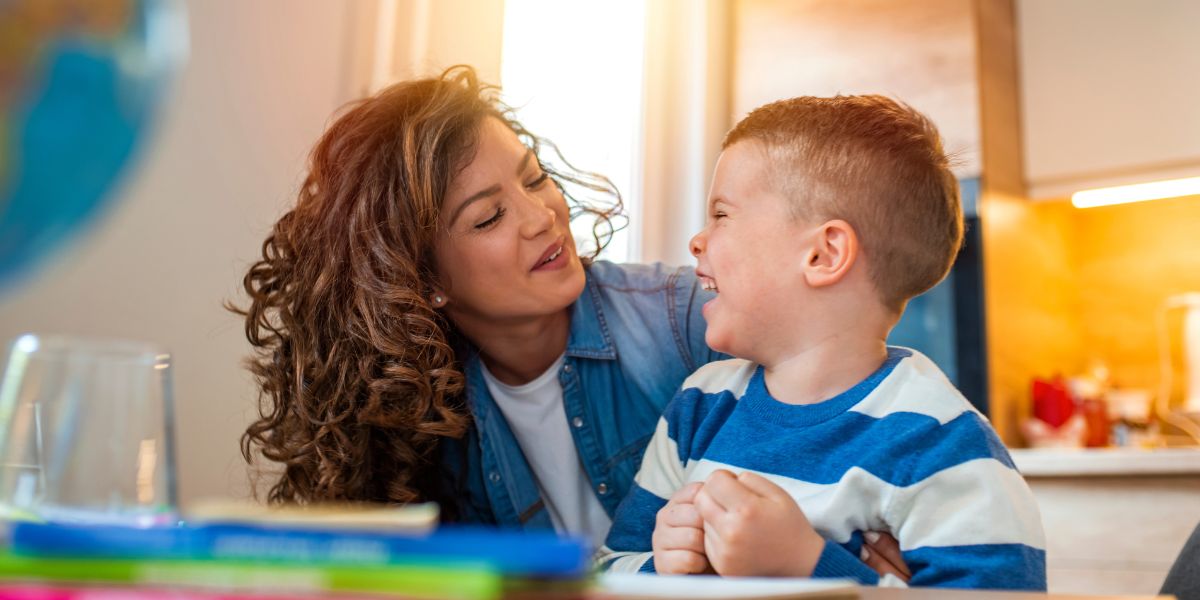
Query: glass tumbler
x,y
86,432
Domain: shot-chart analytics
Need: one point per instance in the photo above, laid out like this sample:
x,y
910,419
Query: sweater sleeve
x,y
838,563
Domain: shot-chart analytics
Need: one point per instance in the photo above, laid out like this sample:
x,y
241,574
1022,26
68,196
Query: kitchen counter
x,y
1091,462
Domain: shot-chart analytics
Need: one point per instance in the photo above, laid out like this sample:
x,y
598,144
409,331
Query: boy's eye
x,y
537,183
495,218
718,215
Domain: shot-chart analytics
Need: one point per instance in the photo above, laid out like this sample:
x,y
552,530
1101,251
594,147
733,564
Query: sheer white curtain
x,y
686,114
573,71
636,90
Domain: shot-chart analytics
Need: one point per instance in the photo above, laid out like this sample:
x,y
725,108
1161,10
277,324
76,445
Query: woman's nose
x,y
539,216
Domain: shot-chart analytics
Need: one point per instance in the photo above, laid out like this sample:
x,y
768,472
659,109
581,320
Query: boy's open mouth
x,y
708,283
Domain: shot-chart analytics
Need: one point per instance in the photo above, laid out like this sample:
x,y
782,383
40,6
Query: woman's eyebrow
x,y
490,190
480,195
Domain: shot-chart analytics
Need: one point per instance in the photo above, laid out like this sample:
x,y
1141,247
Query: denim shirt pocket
x,y
627,461
508,480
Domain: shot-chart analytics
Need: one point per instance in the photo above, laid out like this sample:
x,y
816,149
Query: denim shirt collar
x,y
589,337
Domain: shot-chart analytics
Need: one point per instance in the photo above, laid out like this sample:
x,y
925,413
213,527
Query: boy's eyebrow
x,y
490,191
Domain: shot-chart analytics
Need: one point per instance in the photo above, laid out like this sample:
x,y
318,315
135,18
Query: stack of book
x,y
274,558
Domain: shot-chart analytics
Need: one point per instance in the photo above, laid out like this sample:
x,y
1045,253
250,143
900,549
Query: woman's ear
x,y
833,252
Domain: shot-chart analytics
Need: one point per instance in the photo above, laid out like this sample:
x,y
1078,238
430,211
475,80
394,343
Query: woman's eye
x,y
537,183
493,220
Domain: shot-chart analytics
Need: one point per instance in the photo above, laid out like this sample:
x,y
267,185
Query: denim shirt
x,y
636,333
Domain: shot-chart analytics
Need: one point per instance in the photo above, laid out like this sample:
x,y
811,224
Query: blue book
x,y
511,553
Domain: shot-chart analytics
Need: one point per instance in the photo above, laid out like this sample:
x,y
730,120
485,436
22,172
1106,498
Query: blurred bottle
x,y
1098,427
1089,390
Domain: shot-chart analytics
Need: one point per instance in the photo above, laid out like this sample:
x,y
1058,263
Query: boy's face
x,y
751,253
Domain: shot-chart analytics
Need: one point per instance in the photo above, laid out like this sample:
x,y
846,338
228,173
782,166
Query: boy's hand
x,y
678,539
752,527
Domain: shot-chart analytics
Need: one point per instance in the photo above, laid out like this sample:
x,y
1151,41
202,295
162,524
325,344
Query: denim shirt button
x,y
577,422
602,489
494,476
567,368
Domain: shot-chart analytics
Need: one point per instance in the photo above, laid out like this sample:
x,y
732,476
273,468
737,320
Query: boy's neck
x,y
821,370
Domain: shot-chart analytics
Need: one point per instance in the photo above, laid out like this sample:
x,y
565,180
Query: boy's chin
x,y
720,342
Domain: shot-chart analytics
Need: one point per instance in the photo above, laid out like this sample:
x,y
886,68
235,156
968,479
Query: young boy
x,y
826,216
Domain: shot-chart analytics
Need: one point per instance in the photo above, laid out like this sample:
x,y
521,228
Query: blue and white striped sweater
x,y
902,452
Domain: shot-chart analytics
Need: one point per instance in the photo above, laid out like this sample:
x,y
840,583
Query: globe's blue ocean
x,y
77,103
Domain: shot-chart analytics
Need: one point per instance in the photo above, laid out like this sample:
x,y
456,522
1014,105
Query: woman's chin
x,y
575,279
565,289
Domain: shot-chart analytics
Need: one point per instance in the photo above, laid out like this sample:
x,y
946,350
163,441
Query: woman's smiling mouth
x,y
553,258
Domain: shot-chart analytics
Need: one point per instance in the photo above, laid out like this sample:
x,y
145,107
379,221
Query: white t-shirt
x,y
536,415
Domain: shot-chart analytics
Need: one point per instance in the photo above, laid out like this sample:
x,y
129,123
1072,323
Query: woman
x,y
426,330
426,279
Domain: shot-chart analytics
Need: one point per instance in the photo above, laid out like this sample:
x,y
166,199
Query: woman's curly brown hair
x,y
358,375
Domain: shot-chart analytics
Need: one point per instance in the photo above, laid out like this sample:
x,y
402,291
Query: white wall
x,y
684,118
260,84
401,39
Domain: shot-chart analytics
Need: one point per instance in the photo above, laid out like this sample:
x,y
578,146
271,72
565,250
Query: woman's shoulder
x,y
636,277
654,304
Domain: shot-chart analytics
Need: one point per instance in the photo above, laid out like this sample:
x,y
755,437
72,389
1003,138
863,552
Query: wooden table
x,y
877,593
874,593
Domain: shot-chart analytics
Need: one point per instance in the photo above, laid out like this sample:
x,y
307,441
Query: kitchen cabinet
x,y
1108,92
922,52
1115,519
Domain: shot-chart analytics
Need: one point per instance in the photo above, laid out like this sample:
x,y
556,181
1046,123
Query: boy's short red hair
x,y
875,163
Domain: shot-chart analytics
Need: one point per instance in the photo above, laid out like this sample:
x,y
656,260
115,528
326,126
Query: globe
x,y
80,84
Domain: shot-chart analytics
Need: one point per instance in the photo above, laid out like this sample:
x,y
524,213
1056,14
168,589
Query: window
x,y
573,71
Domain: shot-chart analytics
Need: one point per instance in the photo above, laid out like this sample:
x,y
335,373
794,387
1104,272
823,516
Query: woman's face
x,y
505,251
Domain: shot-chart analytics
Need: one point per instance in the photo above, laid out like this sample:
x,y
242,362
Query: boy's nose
x,y
697,244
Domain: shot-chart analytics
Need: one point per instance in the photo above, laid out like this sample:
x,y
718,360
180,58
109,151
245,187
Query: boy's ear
x,y
833,251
